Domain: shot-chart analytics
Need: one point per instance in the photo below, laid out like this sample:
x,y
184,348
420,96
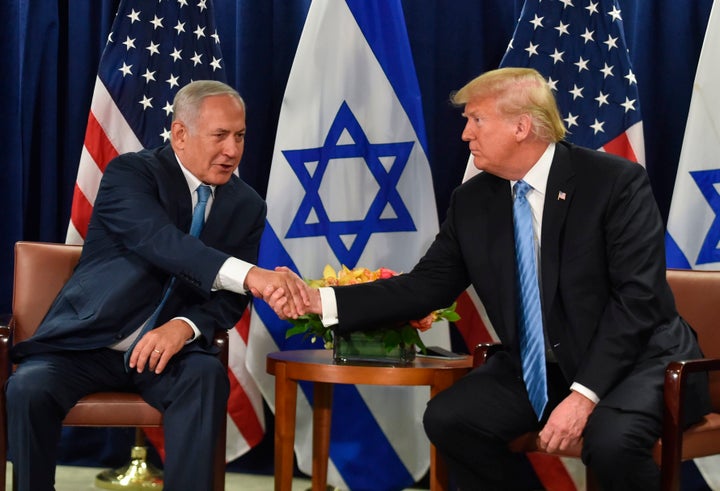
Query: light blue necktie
x,y
532,341
198,221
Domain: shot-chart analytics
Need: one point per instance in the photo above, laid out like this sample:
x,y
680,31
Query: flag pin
x,y
561,195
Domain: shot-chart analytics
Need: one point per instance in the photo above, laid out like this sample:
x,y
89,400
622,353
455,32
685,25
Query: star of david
x,y
312,219
706,181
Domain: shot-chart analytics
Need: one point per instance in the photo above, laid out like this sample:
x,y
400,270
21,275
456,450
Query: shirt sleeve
x,y
231,275
585,391
329,307
196,331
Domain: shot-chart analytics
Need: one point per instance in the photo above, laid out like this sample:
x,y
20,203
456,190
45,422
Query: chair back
x,y
41,270
697,297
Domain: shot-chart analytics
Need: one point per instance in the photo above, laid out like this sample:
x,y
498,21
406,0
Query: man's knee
x,y
617,446
207,374
24,391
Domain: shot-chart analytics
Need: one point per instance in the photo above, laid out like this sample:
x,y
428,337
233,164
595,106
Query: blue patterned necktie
x,y
532,341
198,221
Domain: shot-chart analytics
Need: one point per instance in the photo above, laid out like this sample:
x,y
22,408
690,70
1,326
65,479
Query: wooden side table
x,y
318,366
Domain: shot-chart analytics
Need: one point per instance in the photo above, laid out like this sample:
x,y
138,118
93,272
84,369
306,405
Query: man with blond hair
x,y
564,245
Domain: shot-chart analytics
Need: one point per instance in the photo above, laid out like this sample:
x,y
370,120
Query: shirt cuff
x,y
192,325
232,275
329,306
585,391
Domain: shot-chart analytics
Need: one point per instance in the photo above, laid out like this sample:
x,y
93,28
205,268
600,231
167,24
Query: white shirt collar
x,y
192,181
538,174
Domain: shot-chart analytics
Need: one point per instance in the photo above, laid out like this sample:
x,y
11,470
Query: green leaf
x,y
298,329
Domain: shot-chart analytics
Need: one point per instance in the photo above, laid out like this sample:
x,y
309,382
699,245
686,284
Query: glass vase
x,y
369,347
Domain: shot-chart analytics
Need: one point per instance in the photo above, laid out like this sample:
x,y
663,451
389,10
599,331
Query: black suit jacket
x,y
609,314
137,240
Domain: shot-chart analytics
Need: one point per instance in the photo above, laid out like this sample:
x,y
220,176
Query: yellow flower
x,y
310,324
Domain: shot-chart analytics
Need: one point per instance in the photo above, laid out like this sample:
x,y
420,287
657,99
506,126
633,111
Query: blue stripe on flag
x,y
674,255
384,28
363,471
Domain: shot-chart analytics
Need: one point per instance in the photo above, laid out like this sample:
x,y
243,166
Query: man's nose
x,y
233,148
467,134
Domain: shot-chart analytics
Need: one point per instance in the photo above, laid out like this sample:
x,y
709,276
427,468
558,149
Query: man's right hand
x,y
281,302
293,288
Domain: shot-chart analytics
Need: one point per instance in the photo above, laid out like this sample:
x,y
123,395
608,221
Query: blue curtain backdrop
x,y
51,49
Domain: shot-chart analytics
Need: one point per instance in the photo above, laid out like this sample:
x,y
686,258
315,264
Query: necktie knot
x,y
521,189
203,192
198,219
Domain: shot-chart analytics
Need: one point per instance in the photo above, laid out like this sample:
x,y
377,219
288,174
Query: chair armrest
x,y
5,336
483,351
676,375
222,341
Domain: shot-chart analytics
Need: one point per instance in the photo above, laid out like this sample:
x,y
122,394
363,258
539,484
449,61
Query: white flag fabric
x,y
693,225
350,184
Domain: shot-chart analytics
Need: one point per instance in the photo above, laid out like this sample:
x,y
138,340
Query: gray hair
x,y
186,104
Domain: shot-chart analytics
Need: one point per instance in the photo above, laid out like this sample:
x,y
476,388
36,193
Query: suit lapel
x,y
221,207
174,190
558,198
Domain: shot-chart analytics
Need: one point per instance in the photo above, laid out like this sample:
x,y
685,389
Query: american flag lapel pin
x,y
561,195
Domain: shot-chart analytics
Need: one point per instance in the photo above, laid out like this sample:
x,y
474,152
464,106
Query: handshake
x,y
284,291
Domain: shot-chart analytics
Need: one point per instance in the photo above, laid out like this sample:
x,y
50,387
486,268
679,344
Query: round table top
x,y
319,366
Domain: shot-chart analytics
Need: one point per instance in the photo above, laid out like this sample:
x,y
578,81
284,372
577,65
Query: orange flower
x,y
425,323
310,324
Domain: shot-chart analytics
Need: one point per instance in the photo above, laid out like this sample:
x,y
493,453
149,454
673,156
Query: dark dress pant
x,y
472,422
191,393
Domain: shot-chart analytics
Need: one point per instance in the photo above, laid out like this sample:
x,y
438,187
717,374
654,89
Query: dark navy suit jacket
x,y
609,313
137,240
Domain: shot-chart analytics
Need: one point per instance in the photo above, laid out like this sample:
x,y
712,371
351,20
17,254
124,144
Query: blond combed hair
x,y
518,91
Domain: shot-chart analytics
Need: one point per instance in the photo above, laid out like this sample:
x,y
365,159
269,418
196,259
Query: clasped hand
x,y
286,293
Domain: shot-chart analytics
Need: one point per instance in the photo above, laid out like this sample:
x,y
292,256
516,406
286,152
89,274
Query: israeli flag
x,y
350,184
693,231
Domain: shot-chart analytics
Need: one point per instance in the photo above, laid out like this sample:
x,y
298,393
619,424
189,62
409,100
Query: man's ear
x,y
523,127
179,133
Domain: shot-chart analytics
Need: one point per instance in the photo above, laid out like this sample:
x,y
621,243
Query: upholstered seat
x,y
41,269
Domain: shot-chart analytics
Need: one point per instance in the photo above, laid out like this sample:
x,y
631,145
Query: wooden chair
x,y
697,296
41,269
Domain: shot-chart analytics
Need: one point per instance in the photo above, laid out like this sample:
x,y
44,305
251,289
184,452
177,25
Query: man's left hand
x,y
566,423
157,346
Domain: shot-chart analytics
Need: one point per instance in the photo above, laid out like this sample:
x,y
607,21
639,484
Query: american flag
x,y
579,47
154,48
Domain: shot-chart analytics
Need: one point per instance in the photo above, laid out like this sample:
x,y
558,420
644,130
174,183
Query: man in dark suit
x,y
608,316
139,248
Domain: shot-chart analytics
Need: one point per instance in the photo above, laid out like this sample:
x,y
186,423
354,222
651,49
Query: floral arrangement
x,y
406,334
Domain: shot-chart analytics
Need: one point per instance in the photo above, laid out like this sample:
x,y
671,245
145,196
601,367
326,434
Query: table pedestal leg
x,y
322,411
285,400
